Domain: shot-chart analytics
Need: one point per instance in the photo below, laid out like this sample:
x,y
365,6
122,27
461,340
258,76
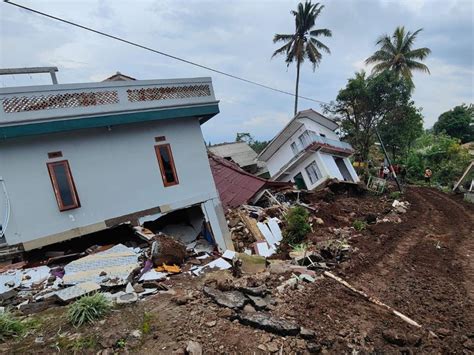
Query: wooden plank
x,y
251,225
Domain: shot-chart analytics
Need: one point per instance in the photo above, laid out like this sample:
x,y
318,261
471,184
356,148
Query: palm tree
x,y
304,42
396,53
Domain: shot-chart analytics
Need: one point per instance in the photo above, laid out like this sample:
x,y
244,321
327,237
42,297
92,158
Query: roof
x,y
118,76
44,109
291,127
236,186
240,152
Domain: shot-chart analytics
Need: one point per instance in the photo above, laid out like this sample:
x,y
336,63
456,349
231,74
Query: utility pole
x,y
33,70
388,160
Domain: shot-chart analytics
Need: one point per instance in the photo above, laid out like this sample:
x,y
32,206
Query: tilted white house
x,y
80,158
308,152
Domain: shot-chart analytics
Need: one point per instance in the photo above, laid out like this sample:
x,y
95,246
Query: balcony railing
x,y
33,103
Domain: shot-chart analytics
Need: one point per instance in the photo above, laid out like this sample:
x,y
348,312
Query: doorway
x,y
343,169
299,182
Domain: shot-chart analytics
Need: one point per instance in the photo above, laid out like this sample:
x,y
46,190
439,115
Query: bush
x,y
359,225
297,225
10,326
88,308
395,195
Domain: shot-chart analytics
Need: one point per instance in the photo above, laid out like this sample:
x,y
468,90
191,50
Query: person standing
x,y
386,172
428,174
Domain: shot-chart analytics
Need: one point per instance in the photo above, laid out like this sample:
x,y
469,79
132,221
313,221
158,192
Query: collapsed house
x,y
81,158
308,152
241,154
236,186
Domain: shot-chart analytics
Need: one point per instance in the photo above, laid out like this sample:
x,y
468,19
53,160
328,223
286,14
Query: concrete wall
x,y
115,172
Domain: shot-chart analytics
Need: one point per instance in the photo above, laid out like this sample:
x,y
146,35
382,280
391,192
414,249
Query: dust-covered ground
x,y
423,267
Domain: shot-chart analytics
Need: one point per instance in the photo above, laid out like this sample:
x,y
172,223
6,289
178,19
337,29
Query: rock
x,y
443,332
306,333
262,347
167,250
252,264
249,309
319,221
194,348
254,291
313,348
8,294
102,273
393,337
225,313
300,344
138,288
258,302
270,324
413,339
136,334
211,324
127,298
272,347
230,299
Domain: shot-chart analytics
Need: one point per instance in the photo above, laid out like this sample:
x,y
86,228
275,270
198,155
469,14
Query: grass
x,y
359,225
395,195
146,325
299,248
88,309
11,326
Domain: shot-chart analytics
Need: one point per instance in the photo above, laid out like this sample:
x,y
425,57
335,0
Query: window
x,y
166,162
63,185
313,172
294,148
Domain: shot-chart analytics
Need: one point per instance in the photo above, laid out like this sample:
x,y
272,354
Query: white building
x,y
80,158
308,152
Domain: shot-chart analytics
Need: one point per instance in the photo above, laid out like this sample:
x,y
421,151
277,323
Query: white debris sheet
x,y
23,278
272,233
153,275
115,265
219,263
76,291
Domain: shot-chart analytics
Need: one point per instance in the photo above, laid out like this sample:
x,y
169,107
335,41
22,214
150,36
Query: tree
x,y
458,123
304,43
365,103
400,129
396,53
256,145
442,154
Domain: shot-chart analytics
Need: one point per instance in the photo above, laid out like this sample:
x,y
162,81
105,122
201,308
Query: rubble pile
x,y
393,216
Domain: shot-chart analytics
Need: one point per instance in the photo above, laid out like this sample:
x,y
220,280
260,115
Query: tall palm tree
x,y
304,42
396,53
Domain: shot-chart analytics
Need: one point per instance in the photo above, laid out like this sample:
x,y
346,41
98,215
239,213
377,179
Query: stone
x,y
249,309
230,299
300,344
127,298
393,337
262,347
254,291
136,334
313,348
7,295
138,288
211,324
258,302
306,333
272,347
270,324
319,221
194,348
252,264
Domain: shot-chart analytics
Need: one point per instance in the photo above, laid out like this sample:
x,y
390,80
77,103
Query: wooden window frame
x,y
55,185
162,168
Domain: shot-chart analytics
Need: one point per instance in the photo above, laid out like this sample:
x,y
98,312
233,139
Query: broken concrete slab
x,y
127,298
252,264
231,299
254,291
76,291
268,323
258,302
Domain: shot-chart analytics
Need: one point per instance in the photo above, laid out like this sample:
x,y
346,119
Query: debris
x,y
230,299
254,291
138,288
118,262
167,250
219,263
76,291
211,323
262,249
258,302
127,298
229,254
268,323
182,232
136,334
252,264
172,269
194,348
144,233
153,275
306,333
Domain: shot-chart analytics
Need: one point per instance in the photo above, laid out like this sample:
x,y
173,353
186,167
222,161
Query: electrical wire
x,y
161,53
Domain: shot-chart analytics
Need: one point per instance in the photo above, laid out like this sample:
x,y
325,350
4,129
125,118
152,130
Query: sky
x,y
235,36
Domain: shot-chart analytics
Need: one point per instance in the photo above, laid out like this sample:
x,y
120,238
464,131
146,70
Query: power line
x,y
160,52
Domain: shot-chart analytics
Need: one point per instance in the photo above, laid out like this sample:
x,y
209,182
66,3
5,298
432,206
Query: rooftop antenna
x,y
32,70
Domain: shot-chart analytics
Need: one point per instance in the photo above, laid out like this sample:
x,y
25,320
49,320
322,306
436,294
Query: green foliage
x,y
88,308
365,103
457,123
442,154
84,343
396,54
10,326
299,247
146,324
297,225
395,195
359,225
256,145
121,343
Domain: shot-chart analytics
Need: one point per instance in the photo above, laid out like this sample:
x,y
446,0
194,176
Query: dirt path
x,y
422,267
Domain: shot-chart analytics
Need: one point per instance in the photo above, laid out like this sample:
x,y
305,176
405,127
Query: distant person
x,y
381,171
428,174
403,174
386,172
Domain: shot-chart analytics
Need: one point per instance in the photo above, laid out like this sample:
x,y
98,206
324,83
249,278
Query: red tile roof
x,y
236,186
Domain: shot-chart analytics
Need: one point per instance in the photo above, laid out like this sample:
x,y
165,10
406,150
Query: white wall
x,y
116,173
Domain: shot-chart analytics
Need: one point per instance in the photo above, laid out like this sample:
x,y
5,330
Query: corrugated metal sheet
x,y
235,186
